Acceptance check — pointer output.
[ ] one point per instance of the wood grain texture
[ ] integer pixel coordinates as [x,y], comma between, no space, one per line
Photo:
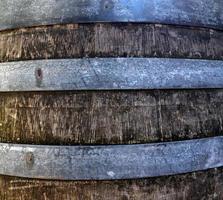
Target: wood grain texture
[110,117]
[110,40]
[205,185]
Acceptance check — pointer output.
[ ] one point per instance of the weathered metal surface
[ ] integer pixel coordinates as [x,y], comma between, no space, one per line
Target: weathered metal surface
[110,73]
[110,161]
[23,13]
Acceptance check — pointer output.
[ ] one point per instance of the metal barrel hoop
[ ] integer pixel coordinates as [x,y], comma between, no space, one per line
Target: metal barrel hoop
[110,74]
[109,162]
[26,13]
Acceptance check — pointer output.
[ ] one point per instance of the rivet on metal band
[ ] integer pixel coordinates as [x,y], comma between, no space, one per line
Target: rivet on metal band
[110,162]
[110,74]
[25,13]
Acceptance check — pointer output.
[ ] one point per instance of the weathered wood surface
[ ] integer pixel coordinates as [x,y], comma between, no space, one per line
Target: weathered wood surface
[195,186]
[110,40]
[110,117]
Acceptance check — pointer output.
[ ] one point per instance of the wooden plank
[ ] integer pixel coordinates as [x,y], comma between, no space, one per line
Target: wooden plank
[22,13]
[199,185]
[110,117]
[110,40]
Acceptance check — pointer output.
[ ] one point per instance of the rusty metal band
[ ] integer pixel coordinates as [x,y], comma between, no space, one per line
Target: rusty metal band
[26,13]
[110,161]
[110,74]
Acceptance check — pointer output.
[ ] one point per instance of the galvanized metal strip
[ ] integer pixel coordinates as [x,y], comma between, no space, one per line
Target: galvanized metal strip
[111,161]
[24,13]
[110,74]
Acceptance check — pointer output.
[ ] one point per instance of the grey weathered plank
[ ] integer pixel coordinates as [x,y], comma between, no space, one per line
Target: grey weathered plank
[110,161]
[24,13]
[110,74]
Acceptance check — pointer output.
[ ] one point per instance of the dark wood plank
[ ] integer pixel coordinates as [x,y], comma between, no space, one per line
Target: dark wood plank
[110,117]
[206,185]
[110,40]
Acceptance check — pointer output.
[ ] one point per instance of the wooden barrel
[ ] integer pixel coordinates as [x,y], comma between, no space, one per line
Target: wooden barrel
[112,117]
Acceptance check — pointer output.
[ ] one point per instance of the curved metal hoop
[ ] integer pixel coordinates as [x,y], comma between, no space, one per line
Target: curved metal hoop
[25,13]
[110,74]
[111,161]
